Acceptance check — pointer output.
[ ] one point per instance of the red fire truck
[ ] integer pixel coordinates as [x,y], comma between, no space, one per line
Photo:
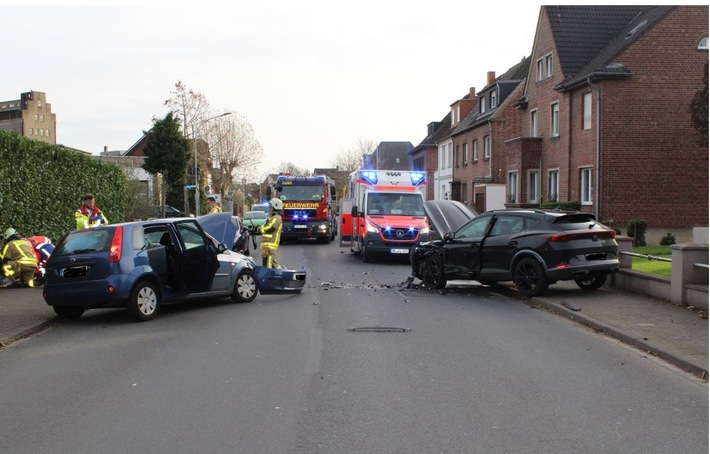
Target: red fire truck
[308,207]
[384,212]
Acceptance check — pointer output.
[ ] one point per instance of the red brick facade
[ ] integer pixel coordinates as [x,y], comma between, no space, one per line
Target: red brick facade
[651,163]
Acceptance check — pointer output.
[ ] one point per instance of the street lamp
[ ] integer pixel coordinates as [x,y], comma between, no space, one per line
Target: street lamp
[194,151]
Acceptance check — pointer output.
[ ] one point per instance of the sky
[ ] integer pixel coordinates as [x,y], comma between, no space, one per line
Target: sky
[312,77]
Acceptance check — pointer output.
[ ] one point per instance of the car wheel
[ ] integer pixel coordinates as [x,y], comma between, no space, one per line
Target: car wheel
[529,277]
[592,281]
[366,254]
[245,289]
[144,301]
[69,312]
[433,273]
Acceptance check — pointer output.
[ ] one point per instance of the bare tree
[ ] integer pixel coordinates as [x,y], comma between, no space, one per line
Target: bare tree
[190,108]
[352,159]
[233,150]
[293,169]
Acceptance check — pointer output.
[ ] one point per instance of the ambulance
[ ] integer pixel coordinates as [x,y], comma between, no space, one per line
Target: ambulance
[383,213]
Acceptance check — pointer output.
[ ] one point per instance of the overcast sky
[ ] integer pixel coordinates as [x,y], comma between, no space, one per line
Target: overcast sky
[312,77]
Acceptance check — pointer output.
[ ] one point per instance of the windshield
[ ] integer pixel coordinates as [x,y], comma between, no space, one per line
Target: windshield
[395,204]
[254,215]
[302,193]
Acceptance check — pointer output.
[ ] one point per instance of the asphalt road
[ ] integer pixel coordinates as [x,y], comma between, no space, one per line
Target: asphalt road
[354,364]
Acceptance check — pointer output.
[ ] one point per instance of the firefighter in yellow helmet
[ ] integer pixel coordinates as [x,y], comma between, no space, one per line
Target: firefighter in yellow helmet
[19,262]
[271,234]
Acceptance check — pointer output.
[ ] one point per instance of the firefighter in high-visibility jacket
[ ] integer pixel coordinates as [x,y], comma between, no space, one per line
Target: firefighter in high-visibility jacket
[88,214]
[19,262]
[271,234]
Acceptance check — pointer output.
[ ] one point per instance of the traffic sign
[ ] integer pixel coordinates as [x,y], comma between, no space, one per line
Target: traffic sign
[190,186]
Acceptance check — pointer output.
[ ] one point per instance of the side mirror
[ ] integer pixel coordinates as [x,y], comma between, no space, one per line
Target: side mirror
[449,236]
[353,212]
[221,248]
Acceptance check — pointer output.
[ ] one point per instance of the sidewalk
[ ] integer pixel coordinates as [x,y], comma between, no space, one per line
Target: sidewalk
[676,334]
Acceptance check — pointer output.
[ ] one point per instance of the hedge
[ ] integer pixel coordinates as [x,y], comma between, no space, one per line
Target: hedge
[41,186]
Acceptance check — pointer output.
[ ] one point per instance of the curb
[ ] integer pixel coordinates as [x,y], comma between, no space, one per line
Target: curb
[9,340]
[601,327]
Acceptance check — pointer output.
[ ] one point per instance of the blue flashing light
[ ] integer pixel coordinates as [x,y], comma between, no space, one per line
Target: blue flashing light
[417,178]
[369,176]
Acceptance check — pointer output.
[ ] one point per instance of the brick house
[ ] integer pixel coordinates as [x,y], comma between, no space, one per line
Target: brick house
[478,140]
[605,119]
[425,155]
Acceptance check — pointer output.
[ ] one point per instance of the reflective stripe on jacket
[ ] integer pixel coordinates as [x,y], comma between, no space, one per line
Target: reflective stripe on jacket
[271,231]
[84,219]
[20,251]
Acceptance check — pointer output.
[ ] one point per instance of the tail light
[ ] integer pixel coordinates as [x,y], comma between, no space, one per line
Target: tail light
[563,237]
[114,254]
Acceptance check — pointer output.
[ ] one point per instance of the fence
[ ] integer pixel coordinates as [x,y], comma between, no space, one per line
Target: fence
[688,284]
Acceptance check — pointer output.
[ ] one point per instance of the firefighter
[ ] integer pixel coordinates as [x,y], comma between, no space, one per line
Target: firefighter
[213,206]
[271,234]
[88,214]
[19,262]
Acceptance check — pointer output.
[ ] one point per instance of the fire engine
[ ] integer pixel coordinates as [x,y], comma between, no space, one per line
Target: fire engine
[308,207]
[384,212]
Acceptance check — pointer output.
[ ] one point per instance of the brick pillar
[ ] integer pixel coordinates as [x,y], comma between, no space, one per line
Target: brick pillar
[684,271]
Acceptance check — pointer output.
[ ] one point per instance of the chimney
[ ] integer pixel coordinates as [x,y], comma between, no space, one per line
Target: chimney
[472,93]
[105,148]
[491,77]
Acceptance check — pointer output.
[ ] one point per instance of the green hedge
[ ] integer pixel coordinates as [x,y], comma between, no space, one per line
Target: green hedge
[564,205]
[41,186]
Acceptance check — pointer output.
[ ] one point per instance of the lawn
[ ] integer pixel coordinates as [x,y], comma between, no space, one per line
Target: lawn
[659,267]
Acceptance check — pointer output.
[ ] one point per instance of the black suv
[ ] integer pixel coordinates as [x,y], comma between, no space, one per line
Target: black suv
[533,248]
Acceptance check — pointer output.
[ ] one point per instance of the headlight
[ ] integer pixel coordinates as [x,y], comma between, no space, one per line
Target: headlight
[424,231]
[323,227]
[371,228]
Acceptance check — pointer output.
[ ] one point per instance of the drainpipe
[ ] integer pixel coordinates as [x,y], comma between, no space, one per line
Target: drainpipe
[597,163]
[598,92]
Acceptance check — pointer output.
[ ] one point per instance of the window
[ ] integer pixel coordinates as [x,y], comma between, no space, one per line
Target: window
[465,153]
[512,187]
[533,184]
[533,123]
[493,99]
[475,151]
[587,111]
[540,70]
[548,65]
[555,120]
[585,183]
[553,185]
[473,229]
[456,114]
[544,68]
[483,104]
[456,156]
[487,147]
[36,117]
[703,44]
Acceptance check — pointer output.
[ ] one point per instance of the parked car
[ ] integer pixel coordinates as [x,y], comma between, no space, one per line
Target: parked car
[142,265]
[170,212]
[254,219]
[531,247]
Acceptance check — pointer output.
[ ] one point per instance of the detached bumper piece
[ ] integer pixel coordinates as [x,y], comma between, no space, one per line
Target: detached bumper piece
[278,281]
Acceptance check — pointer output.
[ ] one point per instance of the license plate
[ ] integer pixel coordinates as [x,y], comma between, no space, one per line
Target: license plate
[300,226]
[399,251]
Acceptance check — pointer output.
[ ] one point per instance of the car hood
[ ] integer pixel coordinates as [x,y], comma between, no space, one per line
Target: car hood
[447,215]
[220,227]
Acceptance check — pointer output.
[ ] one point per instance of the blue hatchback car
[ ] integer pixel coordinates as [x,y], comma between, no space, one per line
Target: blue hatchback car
[141,265]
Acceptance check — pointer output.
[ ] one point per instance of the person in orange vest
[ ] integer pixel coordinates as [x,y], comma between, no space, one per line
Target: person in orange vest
[88,214]
[19,262]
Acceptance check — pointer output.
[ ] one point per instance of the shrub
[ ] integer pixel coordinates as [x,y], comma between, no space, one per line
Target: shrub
[565,205]
[636,228]
[668,239]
